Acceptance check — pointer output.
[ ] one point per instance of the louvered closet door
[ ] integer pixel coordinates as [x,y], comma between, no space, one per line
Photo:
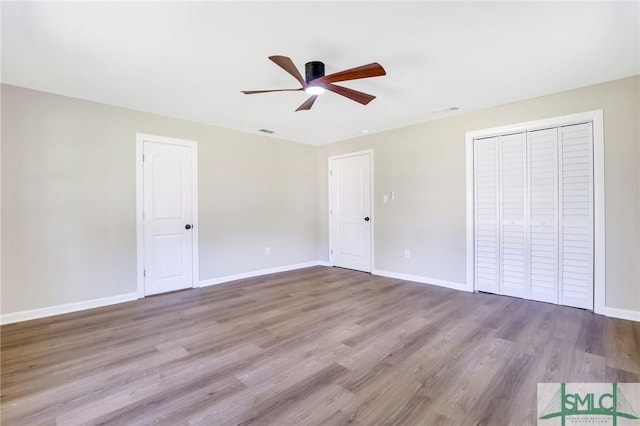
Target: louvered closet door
[576,215]
[534,215]
[512,215]
[487,261]
[543,214]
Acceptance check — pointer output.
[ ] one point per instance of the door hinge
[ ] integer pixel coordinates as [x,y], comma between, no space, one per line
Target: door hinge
[144,272]
[143,158]
[331,251]
[330,211]
[330,172]
[142,215]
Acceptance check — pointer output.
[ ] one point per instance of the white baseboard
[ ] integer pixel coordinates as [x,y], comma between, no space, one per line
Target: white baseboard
[66,308]
[622,314]
[105,301]
[421,279]
[112,300]
[608,311]
[260,272]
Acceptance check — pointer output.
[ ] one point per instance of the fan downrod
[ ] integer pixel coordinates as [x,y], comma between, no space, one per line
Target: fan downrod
[313,70]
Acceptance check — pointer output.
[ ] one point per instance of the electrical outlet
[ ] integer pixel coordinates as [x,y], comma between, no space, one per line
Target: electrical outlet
[407,253]
[267,251]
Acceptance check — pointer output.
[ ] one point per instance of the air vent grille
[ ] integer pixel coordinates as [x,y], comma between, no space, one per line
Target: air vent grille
[452,108]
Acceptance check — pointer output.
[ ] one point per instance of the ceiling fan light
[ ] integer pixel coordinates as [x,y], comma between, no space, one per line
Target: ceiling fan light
[314,90]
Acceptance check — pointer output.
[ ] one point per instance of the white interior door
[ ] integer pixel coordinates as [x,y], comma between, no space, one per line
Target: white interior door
[350,211]
[487,207]
[543,211]
[534,215]
[168,217]
[576,215]
[512,215]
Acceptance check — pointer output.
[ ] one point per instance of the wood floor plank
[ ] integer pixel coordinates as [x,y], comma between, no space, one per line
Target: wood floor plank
[317,409]
[317,346]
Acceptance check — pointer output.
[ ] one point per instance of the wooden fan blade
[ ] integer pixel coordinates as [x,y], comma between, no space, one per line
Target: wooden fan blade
[373,69]
[286,64]
[354,95]
[253,92]
[308,103]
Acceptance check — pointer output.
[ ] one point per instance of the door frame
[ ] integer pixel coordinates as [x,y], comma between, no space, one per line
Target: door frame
[140,139]
[596,118]
[368,152]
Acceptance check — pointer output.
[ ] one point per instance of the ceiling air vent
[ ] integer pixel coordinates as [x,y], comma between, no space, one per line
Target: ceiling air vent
[267,131]
[452,108]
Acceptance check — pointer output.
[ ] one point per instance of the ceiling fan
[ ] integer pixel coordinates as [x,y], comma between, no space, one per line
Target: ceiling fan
[316,82]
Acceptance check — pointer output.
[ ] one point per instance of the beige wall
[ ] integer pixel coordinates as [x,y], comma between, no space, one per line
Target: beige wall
[425,166]
[68,199]
[68,194]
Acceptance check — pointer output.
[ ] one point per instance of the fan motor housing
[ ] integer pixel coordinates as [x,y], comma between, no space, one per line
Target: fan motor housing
[313,70]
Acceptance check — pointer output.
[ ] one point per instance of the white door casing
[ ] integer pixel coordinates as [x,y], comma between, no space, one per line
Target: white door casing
[167,214]
[350,211]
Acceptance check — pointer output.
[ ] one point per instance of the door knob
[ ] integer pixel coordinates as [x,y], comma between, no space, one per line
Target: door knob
[366,219]
[187,226]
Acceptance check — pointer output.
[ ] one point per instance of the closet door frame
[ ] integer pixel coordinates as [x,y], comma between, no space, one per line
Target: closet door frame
[596,118]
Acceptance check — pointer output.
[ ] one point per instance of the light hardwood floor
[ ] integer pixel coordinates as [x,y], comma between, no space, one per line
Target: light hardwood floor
[319,346]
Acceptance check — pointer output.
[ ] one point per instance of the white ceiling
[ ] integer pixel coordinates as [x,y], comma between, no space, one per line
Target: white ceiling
[191,60]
